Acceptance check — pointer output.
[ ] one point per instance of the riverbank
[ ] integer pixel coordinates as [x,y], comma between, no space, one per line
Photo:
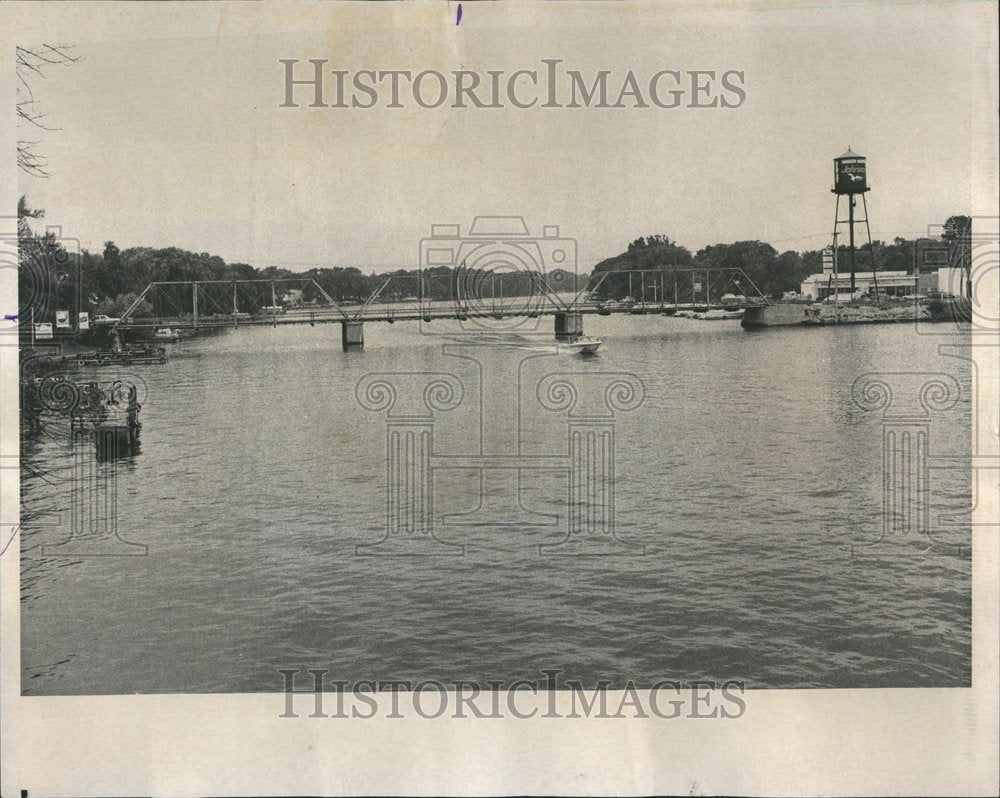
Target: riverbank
[792,314]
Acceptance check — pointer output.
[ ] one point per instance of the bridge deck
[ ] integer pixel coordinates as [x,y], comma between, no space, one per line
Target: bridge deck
[327,315]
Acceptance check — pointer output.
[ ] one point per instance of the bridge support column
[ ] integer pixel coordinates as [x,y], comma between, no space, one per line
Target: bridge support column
[569,325]
[352,334]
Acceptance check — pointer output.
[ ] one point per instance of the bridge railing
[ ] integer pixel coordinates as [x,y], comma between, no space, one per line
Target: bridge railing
[677,287]
[214,303]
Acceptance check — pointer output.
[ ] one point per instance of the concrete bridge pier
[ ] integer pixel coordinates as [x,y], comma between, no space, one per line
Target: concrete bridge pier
[569,325]
[352,334]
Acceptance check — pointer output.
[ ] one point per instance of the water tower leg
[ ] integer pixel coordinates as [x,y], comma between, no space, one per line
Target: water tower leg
[352,334]
[569,325]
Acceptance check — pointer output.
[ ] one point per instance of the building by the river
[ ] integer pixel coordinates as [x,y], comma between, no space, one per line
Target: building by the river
[949,281]
[820,286]
[954,281]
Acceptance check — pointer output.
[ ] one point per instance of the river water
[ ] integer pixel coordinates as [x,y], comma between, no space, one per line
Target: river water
[747,538]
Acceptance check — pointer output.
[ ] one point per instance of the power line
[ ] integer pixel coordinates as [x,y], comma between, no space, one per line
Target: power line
[922,233]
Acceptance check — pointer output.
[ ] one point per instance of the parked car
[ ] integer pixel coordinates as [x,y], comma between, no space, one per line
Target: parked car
[276,309]
[102,319]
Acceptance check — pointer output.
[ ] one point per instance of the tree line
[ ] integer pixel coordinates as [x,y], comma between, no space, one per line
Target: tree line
[52,276]
[763,268]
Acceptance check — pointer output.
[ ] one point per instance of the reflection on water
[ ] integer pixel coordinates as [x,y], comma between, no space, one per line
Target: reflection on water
[748,475]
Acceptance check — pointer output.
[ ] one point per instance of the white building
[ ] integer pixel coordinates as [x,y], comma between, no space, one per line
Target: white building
[953,281]
[820,286]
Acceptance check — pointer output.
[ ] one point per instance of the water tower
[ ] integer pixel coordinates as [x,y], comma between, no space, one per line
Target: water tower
[850,178]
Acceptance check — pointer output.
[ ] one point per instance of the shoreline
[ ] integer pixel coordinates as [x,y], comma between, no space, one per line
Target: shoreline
[797,314]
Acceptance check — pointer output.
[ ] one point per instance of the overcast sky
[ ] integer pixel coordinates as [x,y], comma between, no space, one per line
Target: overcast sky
[181,141]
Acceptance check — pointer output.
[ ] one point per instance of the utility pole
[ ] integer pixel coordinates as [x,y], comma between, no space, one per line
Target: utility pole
[79,291]
[836,279]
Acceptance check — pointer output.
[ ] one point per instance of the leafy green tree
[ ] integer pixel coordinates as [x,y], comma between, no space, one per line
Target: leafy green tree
[759,261]
[109,276]
[958,232]
[118,305]
[46,271]
[656,252]
[787,272]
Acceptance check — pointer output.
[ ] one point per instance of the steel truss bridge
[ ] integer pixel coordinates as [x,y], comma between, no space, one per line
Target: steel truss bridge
[206,304]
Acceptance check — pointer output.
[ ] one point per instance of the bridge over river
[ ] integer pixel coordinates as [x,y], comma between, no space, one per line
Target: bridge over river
[193,305]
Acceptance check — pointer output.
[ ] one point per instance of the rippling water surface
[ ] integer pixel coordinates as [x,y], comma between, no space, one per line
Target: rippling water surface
[748,474]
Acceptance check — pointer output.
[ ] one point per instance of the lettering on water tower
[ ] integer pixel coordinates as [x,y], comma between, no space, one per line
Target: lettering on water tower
[850,174]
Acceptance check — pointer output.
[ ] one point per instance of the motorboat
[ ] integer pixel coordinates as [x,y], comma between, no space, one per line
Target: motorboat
[166,334]
[584,345]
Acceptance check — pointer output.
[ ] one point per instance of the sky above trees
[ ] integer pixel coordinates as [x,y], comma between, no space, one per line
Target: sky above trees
[181,142]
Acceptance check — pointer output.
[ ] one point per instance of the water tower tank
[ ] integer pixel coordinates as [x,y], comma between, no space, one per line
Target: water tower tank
[850,175]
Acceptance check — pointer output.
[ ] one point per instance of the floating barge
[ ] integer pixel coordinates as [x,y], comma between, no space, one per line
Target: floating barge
[108,412]
[146,356]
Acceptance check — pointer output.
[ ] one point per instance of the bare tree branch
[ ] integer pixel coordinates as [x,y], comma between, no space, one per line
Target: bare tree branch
[31,63]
